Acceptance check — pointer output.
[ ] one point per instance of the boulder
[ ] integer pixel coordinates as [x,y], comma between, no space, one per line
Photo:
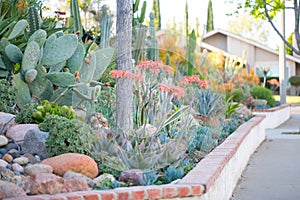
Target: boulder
[37,168]
[133,176]
[18,132]
[73,162]
[69,175]
[9,190]
[35,143]
[47,183]
[3,140]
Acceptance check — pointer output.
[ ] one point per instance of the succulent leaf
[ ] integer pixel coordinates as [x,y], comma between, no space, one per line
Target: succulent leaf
[103,58]
[75,62]
[59,50]
[31,56]
[18,29]
[61,79]
[23,95]
[39,37]
[30,75]
[14,53]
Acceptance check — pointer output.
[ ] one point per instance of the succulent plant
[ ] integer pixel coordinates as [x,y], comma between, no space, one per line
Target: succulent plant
[67,135]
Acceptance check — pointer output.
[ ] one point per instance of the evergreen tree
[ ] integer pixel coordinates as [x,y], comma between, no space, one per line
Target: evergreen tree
[156,11]
[210,17]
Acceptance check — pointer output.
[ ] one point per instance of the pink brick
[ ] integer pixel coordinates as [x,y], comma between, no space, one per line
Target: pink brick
[183,191]
[169,192]
[124,195]
[91,197]
[154,193]
[138,195]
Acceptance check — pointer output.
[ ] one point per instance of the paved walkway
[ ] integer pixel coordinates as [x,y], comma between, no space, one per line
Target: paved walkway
[273,172]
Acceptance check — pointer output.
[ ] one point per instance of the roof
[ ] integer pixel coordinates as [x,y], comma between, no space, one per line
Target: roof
[251,42]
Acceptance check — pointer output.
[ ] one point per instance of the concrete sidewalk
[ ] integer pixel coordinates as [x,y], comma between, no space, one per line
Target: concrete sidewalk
[273,172]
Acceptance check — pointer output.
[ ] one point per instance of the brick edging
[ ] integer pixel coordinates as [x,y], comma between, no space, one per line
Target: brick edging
[195,183]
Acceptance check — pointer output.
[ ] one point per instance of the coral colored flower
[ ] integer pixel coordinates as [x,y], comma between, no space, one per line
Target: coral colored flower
[163,87]
[189,80]
[178,92]
[154,67]
[117,73]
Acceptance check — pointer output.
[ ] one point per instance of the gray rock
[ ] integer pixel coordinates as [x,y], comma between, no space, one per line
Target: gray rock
[6,121]
[3,140]
[69,175]
[146,130]
[12,145]
[37,168]
[34,143]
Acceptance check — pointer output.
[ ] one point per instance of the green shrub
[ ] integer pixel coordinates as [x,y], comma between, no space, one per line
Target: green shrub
[237,95]
[7,96]
[295,80]
[67,135]
[260,92]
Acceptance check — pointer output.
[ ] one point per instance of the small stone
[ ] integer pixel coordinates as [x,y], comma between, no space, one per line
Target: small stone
[1,156]
[3,141]
[7,120]
[9,166]
[133,176]
[3,151]
[37,168]
[9,190]
[12,145]
[21,160]
[17,173]
[69,175]
[14,153]
[8,158]
[3,163]
[17,168]
[6,174]
[31,159]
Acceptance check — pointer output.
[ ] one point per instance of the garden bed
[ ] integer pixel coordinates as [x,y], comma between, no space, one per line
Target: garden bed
[214,177]
[275,116]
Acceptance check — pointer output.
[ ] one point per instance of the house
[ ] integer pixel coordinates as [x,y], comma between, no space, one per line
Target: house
[257,55]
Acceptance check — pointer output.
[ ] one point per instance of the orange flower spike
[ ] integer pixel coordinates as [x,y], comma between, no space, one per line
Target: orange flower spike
[76,74]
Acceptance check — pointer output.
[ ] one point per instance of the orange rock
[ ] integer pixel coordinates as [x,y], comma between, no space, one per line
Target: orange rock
[73,162]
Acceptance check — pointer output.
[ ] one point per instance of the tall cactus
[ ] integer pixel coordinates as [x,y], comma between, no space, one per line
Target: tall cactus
[152,51]
[156,11]
[191,47]
[105,28]
[75,17]
[34,19]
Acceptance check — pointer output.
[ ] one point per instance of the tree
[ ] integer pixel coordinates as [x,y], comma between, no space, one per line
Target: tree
[156,11]
[124,62]
[210,17]
[267,9]
[249,27]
